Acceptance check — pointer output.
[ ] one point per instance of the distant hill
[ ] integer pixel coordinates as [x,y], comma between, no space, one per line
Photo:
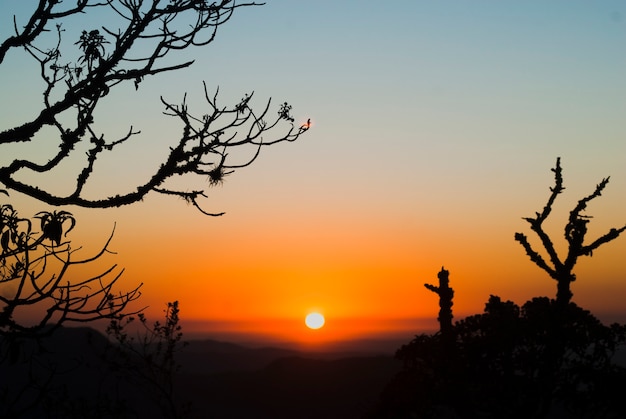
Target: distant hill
[219,379]
[211,356]
[225,380]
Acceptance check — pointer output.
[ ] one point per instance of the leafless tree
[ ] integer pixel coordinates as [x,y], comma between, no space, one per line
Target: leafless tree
[559,269]
[142,38]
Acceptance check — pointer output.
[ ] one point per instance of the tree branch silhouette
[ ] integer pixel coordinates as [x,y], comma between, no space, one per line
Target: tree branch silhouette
[142,41]
[37,274]
[575,231]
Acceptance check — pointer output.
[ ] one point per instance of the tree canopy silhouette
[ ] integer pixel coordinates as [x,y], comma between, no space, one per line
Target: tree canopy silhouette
[543,360]
[141,39]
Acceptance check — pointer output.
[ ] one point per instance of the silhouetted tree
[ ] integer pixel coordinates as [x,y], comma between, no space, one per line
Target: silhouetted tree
[446,294]
[141,39]
[561,270]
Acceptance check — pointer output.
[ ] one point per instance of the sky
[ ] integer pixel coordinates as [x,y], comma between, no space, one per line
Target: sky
[434,129]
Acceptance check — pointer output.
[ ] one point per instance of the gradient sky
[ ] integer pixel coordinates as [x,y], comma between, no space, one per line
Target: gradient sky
[435,126]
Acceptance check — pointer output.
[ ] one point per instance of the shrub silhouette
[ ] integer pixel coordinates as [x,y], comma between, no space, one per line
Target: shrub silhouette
[149,358]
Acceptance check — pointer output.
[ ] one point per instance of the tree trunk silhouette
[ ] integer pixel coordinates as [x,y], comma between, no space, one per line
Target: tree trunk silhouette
[563,292]
[446,294]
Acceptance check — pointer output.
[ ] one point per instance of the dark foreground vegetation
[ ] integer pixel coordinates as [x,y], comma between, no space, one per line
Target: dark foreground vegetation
[542,360]
[547,359]
[534,361]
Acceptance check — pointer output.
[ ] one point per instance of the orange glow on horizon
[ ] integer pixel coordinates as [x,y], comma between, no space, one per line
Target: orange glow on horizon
[292,331]
[365,287]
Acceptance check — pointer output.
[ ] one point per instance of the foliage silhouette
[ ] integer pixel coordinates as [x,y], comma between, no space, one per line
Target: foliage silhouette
[142,39]
[561,270]
[547,359]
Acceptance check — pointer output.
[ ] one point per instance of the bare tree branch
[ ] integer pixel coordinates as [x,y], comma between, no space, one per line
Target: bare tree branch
[128,50]
[36,273]
[534,256]
[536,224]
[575,232]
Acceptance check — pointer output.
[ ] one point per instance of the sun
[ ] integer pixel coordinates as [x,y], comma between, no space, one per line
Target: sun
[314,320]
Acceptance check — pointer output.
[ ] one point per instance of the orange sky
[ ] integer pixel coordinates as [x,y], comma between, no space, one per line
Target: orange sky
[254,276]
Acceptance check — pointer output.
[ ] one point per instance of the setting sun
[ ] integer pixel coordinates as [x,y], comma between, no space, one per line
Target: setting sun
[314,320]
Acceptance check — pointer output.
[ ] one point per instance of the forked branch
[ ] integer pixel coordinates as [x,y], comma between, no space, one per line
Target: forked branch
[575,231]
